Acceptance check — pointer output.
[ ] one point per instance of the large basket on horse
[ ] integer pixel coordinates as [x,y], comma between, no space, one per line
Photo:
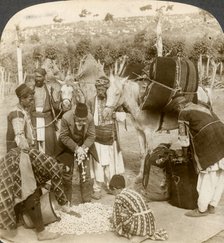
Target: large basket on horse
[169,75]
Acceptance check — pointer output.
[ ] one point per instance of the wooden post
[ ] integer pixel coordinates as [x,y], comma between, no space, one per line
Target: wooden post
[214,70]
[159,42]
[24,77]
[19,56]
[200,72]
[207,67]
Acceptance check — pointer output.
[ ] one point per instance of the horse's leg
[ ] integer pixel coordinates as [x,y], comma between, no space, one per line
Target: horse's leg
[143,151]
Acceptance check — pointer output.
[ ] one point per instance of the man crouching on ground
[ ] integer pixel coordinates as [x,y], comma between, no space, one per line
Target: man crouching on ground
[76,140]
[132,217]
[23,171]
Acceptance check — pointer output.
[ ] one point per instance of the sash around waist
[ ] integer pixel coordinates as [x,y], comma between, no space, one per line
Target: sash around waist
[105,134]
[41,114]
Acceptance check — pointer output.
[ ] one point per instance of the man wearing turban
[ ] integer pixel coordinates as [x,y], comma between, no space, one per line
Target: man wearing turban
[107,145]
[43,113]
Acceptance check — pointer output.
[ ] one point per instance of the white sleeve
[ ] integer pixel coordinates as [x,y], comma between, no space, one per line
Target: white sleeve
[19,127]
[183,134]
[120,116]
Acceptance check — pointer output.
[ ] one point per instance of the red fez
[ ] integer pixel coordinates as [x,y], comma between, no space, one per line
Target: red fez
[23,91]
[81,110]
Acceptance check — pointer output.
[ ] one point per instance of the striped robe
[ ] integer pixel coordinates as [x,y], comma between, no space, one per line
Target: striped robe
[132,217]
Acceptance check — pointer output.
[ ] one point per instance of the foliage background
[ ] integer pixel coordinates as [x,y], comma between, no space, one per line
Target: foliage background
[186,35]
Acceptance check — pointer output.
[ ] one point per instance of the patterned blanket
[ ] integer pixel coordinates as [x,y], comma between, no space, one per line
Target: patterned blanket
[44,167]
[133,217]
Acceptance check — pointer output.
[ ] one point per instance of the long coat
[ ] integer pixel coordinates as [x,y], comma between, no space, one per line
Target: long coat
[50,109]
[207,134]
[67,138]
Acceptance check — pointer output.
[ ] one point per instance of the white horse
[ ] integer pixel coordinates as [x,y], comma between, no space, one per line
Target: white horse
[126,92]
[70,93]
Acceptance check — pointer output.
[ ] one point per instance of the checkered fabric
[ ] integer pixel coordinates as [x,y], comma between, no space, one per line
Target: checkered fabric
[133,217]
[10,186]
[45,168]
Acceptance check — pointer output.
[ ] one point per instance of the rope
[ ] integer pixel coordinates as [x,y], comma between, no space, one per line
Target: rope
[167,87]
[55,119]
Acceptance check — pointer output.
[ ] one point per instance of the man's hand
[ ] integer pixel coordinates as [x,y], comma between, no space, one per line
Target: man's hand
[81,154]
[80,151]
[22,143]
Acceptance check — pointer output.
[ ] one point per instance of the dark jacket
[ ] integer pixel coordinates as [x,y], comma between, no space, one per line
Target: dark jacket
[67,138]
[207,134]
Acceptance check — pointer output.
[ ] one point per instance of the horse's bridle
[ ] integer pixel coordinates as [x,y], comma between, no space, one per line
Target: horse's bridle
[70,100]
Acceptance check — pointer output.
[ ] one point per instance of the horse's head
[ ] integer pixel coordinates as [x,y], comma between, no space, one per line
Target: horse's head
[66,96]
[70,94]
[115,95]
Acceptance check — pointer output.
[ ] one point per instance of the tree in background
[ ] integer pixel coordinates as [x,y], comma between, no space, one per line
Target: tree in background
[109,17]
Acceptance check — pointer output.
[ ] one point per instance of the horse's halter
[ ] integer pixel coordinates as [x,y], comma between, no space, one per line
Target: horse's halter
[66,101]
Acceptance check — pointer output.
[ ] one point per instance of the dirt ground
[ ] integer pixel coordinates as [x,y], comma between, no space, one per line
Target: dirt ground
[130,149]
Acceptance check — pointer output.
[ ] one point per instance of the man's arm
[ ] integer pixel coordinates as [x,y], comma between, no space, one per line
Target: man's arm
[65,136]
[18,124]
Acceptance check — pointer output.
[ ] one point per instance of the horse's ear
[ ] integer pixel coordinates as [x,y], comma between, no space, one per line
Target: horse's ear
[111,76]
[124,80]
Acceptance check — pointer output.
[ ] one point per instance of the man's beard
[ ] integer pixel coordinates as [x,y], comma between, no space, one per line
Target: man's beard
[101,96]
[39,84]
[79,127]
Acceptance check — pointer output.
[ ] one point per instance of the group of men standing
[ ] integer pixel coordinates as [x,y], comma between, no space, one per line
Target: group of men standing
[86,143]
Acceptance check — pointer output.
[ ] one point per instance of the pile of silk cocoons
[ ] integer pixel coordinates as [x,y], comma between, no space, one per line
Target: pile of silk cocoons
[94,219]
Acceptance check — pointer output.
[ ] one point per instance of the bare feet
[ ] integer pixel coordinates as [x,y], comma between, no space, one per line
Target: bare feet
[46,235]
